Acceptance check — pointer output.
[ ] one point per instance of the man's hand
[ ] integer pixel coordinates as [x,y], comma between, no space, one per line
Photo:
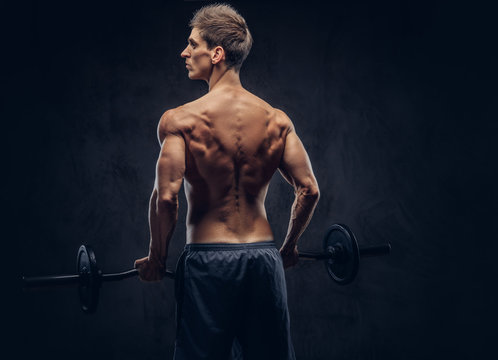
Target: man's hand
[149,270]
[290,256]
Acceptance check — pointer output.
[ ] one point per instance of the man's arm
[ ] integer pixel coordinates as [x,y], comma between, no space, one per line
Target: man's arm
[163,207]
[295,167]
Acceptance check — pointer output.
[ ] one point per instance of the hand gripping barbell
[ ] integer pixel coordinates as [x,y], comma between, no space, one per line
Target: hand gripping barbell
[341,256]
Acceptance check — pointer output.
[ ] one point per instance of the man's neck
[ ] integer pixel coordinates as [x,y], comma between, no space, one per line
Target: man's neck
[221,76]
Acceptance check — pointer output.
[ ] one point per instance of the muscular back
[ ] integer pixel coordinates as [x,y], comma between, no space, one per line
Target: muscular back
[234,142]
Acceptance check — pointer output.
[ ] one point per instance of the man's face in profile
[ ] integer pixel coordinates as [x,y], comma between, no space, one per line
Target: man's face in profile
[197,57]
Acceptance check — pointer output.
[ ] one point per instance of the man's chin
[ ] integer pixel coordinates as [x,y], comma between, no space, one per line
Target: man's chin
[193,76]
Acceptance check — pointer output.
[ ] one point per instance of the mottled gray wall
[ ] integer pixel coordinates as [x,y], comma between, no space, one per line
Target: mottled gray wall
[393,103]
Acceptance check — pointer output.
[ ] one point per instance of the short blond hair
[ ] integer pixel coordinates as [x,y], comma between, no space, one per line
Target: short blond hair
[221,25]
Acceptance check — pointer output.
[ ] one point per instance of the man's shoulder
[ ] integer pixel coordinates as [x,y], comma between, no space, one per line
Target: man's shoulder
[281,115]
[283,120]
[176,115]
[172,115]
[173,120]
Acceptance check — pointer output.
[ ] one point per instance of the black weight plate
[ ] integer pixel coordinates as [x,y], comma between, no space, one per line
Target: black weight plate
[343,267]
[89,279]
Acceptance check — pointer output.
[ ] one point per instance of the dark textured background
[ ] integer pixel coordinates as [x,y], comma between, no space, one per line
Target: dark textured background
[396,104]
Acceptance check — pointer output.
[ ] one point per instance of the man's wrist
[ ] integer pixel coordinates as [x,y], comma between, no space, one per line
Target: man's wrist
[157,260]
[289,246]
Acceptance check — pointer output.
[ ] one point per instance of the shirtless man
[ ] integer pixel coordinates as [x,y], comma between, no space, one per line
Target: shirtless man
[230,281]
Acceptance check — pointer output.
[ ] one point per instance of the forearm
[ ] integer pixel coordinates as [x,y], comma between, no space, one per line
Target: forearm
[162,221]
[301,214]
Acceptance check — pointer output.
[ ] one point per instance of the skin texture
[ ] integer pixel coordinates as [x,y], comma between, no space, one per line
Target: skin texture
[226,145]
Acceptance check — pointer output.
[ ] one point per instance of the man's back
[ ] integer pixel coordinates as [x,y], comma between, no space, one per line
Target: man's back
[234,142]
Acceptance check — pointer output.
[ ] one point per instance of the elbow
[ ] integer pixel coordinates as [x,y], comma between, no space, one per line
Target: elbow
[314,193]
[166,204]
[311,192]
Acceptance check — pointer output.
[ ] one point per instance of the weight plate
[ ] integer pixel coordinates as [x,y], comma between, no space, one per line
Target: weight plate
[89,279]
[344,266]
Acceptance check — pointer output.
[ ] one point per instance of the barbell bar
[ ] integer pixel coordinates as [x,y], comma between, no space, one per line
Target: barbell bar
[341,255]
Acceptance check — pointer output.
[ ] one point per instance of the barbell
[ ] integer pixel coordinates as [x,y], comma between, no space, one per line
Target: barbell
[341,255]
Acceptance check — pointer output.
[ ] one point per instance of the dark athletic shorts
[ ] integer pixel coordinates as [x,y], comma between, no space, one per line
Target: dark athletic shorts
[232,303]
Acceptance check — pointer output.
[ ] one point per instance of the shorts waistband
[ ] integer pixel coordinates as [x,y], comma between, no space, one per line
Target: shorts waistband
[231,246]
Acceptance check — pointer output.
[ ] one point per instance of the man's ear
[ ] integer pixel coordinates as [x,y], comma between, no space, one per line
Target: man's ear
[217,55]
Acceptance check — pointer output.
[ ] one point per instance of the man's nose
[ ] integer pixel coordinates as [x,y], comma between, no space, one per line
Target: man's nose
[184,53]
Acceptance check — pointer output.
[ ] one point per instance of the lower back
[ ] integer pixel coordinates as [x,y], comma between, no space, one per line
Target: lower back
[234,230]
